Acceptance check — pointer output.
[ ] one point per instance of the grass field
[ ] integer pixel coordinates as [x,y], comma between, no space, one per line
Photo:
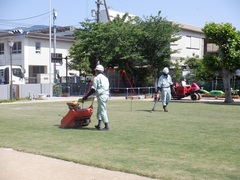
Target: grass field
[191,141]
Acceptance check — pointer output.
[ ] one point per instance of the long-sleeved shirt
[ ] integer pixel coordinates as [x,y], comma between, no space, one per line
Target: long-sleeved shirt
[101,84]
[164,81]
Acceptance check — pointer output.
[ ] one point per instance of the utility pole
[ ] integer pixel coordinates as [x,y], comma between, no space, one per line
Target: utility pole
[11,43]
[98,9]
[98,19]
[50,48]
[54,39]
[67,87]
[106,8]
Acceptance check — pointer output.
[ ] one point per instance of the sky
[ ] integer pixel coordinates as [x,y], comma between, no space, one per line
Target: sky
[26,13]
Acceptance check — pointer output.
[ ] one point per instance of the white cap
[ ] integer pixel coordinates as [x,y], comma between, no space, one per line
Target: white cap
[99,68]
[165,70]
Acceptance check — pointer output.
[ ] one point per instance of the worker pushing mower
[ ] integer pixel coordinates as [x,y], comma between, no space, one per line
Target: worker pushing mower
[100,86]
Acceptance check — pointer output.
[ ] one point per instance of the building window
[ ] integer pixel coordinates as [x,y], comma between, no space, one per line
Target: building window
[1,48]
[193,42]
[38,70]
[38,47]
[17,48]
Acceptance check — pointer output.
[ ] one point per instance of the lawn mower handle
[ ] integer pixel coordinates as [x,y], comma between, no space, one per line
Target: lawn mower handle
[88,99]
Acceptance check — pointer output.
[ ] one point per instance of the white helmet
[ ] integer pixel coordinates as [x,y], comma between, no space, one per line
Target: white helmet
[99,68]
[165,70]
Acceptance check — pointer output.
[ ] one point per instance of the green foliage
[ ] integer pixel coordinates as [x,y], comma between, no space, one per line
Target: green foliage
[177,75]
[212,63]
[193,62]
[157,35]
[228,40]
[126,43]
[57,89]
[198,70]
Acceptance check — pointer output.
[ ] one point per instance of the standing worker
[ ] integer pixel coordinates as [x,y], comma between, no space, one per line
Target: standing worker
[100,86]
[164,85]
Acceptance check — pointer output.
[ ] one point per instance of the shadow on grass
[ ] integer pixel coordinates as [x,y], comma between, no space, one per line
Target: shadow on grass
[150,111]
[78,128]
[206,102]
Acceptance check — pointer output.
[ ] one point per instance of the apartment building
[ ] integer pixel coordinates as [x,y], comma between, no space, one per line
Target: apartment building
[31,51]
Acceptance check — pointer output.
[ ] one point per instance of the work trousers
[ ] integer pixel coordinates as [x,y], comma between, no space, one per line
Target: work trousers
[166,96]
[102,108]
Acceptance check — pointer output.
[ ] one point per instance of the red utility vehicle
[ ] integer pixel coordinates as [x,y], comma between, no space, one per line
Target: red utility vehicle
[179,92]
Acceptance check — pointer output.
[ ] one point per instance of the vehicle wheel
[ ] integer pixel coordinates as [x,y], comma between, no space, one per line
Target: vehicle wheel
[199,96]
[194,96]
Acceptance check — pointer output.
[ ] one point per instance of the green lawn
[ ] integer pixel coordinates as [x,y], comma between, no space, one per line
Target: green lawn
[191,141]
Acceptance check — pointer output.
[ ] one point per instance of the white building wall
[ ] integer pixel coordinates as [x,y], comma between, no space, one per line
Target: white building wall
[191,44]
[34,58]
[112,14]
[5,58]
[64,48]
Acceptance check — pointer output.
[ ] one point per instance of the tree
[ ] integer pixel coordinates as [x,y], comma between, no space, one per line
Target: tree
[112,44]
[227,61]
[198,72]
[85,52]
[177,75]
[157,36]
[128,43]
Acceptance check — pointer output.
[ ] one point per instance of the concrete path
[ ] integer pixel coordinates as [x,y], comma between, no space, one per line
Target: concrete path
[15,165]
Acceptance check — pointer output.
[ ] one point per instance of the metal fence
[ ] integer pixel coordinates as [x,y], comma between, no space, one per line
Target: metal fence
[81,88]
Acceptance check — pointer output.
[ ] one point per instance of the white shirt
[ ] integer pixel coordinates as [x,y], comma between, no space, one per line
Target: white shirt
[183,83]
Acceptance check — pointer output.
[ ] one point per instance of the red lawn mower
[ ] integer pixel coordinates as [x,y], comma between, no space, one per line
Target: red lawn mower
[77,116]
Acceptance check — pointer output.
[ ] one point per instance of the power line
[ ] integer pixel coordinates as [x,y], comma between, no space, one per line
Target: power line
[24,18]
[14,23]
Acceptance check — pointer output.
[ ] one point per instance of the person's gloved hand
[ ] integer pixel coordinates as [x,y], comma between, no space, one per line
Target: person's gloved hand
[173,89]
[84,98]
[159,89]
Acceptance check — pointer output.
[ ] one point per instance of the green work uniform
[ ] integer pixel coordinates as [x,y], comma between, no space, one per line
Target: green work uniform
[164,83]
[101,87]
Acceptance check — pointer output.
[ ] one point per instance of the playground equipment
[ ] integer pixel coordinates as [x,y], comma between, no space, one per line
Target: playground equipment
[215,93]
[219,93]
[179,92]
[77,116]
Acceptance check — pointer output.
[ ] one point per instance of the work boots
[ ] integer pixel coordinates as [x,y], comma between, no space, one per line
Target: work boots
[165,108]
[106,128]
[99,125]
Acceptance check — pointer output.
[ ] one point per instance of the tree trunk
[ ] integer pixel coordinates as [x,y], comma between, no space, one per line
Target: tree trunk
[226,81]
